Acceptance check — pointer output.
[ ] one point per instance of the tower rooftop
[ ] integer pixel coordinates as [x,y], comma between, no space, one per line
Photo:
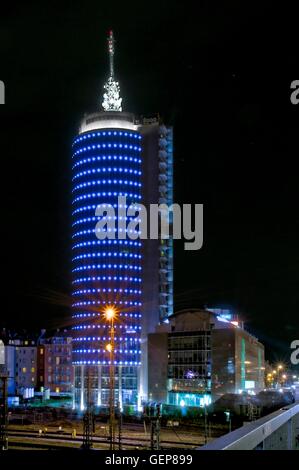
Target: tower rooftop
[104,120]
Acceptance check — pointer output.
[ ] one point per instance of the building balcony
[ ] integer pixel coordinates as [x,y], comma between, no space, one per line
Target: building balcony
[163,155]
[163,189]
[162,200]
[162,166]
[162,143]
[162,177]
[163,247]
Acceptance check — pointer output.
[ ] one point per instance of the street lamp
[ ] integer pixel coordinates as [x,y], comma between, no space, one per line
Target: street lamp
[270,378]
[280,376]
[110,315]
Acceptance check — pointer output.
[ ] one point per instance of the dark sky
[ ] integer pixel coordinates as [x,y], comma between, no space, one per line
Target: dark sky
[221,76]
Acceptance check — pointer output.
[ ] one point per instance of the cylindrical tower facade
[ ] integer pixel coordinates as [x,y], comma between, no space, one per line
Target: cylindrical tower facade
[106,164]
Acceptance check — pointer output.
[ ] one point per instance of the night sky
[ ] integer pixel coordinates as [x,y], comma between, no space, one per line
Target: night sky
[221,76]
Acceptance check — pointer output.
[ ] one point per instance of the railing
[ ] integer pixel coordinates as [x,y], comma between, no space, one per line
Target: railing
[252,435]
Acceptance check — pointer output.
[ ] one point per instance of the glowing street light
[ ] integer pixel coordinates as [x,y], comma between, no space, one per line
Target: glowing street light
[110,315]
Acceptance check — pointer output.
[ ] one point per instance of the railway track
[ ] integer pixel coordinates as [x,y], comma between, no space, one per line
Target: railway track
[142,443]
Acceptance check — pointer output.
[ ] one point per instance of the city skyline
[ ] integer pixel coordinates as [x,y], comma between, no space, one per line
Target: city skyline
[249,259]
[150,256]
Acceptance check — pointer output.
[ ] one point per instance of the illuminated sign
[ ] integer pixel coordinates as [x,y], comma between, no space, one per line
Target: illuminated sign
[249,384]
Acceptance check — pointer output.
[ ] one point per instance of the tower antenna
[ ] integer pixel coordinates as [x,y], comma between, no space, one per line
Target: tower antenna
[111,98]
[111,42]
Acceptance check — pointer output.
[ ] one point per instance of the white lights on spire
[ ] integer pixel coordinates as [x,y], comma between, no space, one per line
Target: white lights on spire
[111,98]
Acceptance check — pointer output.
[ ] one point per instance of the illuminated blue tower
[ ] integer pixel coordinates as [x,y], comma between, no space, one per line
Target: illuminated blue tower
[116,155]
[106,164]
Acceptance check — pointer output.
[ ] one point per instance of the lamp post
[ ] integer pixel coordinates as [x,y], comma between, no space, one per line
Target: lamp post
[110,314]
[280,372]
[274,378]
[206,422]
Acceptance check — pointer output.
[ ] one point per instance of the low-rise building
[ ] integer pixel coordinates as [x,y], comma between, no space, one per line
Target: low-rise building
[40,367]
[25,365]
[200,355]
[38,362]
[10,363]
[20,353]
[58,370]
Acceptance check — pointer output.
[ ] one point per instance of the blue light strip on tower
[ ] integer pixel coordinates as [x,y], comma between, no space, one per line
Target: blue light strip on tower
[106,165]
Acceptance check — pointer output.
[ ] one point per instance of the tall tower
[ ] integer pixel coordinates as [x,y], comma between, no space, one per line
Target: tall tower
[157,263]
[115,154]
[106,165]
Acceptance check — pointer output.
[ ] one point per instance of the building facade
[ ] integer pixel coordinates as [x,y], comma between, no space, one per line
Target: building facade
[20,355]
[106,272]
[200,356]
[157,261]
[116,155]
[40,367]
[57,373]
[10,363]
[238,362]
[25,367]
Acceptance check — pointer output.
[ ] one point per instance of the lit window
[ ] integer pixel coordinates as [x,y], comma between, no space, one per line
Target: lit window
[57,361]
[41,352]
[32,369]
[57,389]
[24,370]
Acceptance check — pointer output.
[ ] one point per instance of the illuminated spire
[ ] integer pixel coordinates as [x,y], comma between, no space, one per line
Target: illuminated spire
[111,98]
[111,42]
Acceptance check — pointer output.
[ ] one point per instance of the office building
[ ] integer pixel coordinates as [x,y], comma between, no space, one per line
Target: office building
[116,154]
[200,355]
